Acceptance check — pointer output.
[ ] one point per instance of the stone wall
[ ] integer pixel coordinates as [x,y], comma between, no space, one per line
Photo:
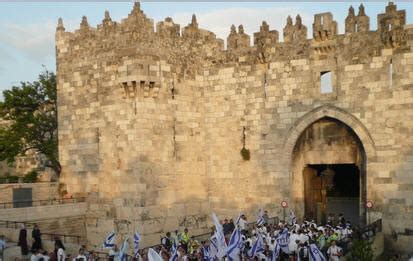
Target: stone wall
[40,191]
[151,123]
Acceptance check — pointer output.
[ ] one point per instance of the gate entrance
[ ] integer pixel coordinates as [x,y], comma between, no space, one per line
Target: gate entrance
[331,190]
[329,172]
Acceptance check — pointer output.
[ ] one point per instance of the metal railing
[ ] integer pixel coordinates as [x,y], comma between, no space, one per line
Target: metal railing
[75,239]
[43,202]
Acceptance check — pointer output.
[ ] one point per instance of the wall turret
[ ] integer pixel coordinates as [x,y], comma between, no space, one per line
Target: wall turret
[288,31]
[265,37]
[238,41]
[390,26]
[60,27]
[324,27]
[363,21]
[357,24]
[168,28]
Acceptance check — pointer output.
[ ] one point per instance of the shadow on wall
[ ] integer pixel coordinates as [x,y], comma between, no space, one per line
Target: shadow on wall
[397,204]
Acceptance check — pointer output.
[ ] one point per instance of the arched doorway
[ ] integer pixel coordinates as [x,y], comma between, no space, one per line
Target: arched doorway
[329,171]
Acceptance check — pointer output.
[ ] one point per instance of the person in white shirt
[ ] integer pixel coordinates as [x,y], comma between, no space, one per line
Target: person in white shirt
[61,255]
[113,252]
[292,245]
[242,223]
[81,256]
[334,252]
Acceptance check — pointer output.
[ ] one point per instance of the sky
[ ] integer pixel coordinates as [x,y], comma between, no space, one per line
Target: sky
[27,29]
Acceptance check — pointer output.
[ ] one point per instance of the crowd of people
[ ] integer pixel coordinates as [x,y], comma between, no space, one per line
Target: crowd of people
[332,240]
[263,240]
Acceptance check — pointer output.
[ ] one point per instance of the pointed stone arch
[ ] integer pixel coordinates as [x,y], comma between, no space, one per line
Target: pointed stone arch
[299,127]
[330,111]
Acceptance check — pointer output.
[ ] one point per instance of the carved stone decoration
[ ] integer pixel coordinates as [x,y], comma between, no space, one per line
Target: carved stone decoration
[390,26]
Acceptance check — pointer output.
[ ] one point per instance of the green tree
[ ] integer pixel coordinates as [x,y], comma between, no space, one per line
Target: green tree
[30,113]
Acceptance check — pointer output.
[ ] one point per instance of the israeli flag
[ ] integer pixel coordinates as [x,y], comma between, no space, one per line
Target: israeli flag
[153,256]
[213,247]
[205,254]
[315,254]
[237,221]
[123,253]
[276,252]
[109,241]
[136,240]
[234,244]
[257,248]
[260,219]
[219,235]
[174,253]
[283,240]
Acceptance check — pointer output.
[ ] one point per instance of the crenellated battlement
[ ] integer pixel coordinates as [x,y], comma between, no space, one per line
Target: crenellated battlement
[173,44]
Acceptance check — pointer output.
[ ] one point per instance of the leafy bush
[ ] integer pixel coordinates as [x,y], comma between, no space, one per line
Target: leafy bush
[30,177]
[245,153]
[361,250]
[8,179]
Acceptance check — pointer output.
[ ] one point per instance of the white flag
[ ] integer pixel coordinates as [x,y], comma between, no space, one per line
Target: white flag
[123,253]
[153,256]
[219,235]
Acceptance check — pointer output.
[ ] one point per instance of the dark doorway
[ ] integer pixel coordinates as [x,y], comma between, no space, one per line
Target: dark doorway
[331,189]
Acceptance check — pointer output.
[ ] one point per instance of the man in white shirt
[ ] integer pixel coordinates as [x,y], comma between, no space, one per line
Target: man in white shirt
[334,252]
[81,256]
[242,223]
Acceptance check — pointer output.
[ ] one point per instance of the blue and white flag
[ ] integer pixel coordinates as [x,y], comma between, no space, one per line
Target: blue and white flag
[174,252]
[136,240]
[260,218]
[315,254]
[257,248]
[238,219]
[283,240]
[109,241]
[213,247]
[276,252]
[123,252]
[153,256]
[219,235]
[233,248]
[205,253]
